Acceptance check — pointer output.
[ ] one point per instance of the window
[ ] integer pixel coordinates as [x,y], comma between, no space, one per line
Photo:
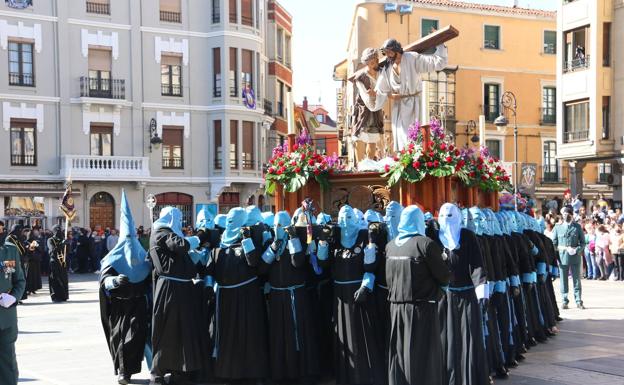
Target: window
[491,38]
[21,64]
[287,51]
[216,11]
[227,201]
[576,46]
[181,201]
[247,13]
[170,11]
[247,68]
[248,145]
[23,143]
[171,76]
[280,99]
[172,146]
[550,42]
[494,147]
[101,140]
[426,25]
[576,127]
[218,146]
[101,7]
[606,45]
[491,95]
[320,118]
[606,121]
[604,170]
[321,145]
[233,72]
[280,45]
[233,12]
[216,65]
[100,73]
[551,166]
[233,144]
[549,101]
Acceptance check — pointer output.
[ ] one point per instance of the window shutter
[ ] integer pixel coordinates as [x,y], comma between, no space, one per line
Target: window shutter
[99,60]
[170,5]
[172,60]
[172,136]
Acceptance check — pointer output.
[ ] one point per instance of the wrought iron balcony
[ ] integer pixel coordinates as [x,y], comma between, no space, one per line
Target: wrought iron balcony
[170,16]
[93,167]
[19,79]
[175,162]
[102,88]
[575,136]
[576,64]
[23,160]
[553,174]
[99,8]
[167,89]
[268,107]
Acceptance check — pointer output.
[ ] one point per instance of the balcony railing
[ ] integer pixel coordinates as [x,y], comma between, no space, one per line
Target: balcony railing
[99,8]
[548,115]
[218,164]
[171,89]
[23,160]
[247,20]
[553,174]
[93,167]
[575,136]
[170,16]
[576,64]
[442,110]
[18,79]
[249,164]
[102,88]
[268,107]
[175,162]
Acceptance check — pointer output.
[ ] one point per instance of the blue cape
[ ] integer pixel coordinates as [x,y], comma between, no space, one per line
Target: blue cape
[450,220]
[500,217]
[236,218]
[372,216]
[412,222]
[254,216]
[128,257]
[349,226]
[360,216]
[392,217]
[204,220]
[493,222]
[170,218]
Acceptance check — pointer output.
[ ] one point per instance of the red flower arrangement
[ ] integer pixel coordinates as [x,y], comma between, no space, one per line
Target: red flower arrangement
[487,173]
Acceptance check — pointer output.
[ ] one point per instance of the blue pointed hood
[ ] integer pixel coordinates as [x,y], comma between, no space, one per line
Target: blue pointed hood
[502,223]
[450,220]
[349,226]
[467,221]
[220,220]
[372,216]
[128,257]
[236,218]
[360,216]
[520,225]
[254,216]
[204,220]
[479,220]
[323,219]
[392,218]
[412,223]
[170,218]
[268,218]
[493,222]
[282,220]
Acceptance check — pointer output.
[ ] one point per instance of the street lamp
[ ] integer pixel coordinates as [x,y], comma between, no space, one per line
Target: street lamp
[155,140]
[471,127]
[508,102]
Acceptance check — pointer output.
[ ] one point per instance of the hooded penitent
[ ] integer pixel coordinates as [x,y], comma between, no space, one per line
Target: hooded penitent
[128,257]
[372,216]
[170,218]
[236,219]
[503,223]
[349,226]
[392,217]
[268,218]
[412,223]
[323,219]
[467,221]
[360,217]
[205,219]
[450,220]
[479,220]
[254,216]
[493,222]
[282,220]
[220,220]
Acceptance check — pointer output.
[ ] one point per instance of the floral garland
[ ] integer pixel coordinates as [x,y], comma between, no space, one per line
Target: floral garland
[294,168]
[442,158]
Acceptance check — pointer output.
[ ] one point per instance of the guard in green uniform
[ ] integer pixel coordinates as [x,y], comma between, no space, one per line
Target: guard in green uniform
[569,240]
[12,286]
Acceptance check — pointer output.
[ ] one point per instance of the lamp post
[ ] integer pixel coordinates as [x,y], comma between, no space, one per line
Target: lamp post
[508,102]
[471,127]
[155,140]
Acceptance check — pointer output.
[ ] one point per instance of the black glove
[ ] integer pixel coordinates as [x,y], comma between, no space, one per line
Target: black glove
[203,235]
[246,232]
[122,280]
[290,230]
[275,246]
[361,295]
[325,233]
[374,232]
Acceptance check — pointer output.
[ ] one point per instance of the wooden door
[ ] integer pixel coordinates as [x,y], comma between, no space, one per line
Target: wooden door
[102,211]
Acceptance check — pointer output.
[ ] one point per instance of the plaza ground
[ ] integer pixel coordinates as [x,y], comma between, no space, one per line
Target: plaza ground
[63,344]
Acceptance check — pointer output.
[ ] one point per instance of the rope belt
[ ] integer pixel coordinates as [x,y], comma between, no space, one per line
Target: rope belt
[175,279]
[347,282]
[458,289]
[293,308]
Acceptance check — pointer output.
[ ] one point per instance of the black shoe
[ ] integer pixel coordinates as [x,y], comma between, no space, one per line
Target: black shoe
[565,306]
[559,319]
[520,357]
[157,380]
[502,373]
[513,364]
[522,350]
[532,342]
[123,379]
[580,306]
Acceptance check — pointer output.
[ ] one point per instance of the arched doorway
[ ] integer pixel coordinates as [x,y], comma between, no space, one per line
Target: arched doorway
[102,211]
[184,202]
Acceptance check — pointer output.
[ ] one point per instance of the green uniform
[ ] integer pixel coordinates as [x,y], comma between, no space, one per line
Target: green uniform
[15,285]
[567,235]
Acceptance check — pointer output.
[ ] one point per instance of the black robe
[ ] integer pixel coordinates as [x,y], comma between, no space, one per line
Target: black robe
[294,345]
[461,327]
[241,349]
[500,299]
[125,313]
[357,351]
[57,280]
[546,305]
[415,273]
[33,279]
[176,331]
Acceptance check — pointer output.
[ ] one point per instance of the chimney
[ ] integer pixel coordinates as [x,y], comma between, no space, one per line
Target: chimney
[305,103]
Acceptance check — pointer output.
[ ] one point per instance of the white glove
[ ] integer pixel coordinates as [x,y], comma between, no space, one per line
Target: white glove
[571,250]
[6,300]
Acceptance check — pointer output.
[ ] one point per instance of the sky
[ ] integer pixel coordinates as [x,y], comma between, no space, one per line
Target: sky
[320,29]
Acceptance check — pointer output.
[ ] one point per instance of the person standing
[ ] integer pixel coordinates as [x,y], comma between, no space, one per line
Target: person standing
[415,273]
[569,241]
[400,81]
[112,239]
[12,286]
[57,281]
[14,241]
[124,305]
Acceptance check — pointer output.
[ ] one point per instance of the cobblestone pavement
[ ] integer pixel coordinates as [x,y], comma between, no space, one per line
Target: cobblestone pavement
[63,344]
